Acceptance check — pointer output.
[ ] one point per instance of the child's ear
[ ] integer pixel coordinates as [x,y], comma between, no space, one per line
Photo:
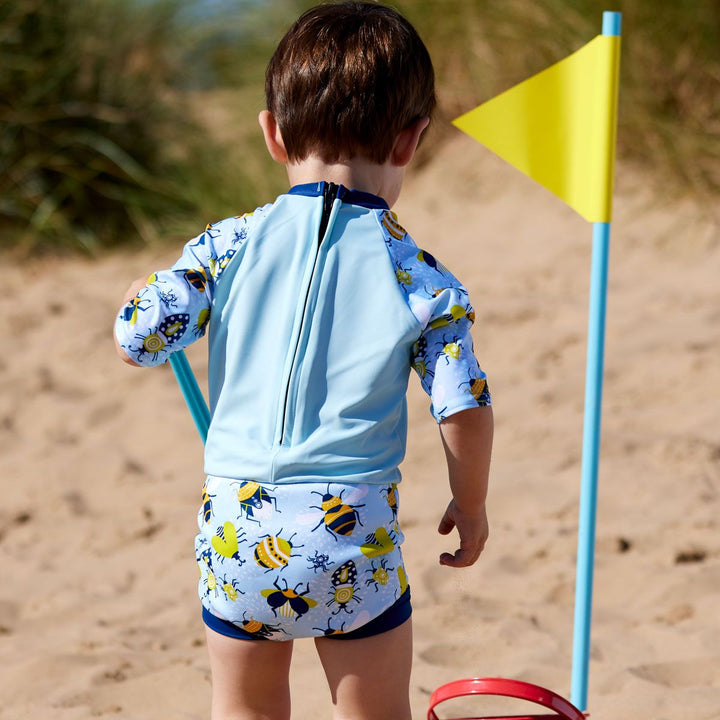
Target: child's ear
[407,141]
[273,137]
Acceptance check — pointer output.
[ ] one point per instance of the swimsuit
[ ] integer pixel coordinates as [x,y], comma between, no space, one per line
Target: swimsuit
[297,560]
[320,305]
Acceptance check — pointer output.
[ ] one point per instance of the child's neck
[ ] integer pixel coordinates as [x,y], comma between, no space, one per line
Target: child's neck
[356,174]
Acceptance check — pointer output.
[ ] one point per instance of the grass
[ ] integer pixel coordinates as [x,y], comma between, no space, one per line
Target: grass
[124,120]
[669,114]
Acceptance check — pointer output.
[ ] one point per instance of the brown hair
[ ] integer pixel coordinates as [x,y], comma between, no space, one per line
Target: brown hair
[346,79]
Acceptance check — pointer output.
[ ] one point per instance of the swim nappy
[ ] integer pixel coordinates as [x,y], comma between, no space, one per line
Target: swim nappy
[281,562]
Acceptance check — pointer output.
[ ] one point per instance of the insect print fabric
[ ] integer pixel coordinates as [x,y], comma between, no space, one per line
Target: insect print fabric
[443,356]
[173,309]
[312,559]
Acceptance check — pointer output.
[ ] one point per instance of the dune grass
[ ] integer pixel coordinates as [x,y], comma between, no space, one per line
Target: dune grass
[123,120]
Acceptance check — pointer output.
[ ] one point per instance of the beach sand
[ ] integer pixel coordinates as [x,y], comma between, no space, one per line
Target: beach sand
[102,472]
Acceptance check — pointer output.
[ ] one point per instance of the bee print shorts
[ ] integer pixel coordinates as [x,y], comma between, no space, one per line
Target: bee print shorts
[288,561]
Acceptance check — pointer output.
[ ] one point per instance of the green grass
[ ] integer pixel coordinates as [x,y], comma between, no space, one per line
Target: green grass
[669,113]
[122,120]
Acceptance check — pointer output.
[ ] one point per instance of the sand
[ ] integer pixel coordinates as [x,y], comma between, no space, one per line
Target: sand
[102,472]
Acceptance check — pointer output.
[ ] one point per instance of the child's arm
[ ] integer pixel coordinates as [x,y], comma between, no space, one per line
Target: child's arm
[135,287]
[467,438]
[170,309]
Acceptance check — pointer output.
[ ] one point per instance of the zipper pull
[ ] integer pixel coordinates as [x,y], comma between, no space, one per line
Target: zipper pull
[330,193]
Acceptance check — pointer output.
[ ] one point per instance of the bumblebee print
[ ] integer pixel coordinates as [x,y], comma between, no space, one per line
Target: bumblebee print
[303,558]
[280,585]
[456,312]
[477,387]
[206,504]
[339,518]
[392,499]
[289,602]
[196,278]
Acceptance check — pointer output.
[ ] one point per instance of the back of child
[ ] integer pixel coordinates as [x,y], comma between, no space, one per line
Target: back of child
[316,307]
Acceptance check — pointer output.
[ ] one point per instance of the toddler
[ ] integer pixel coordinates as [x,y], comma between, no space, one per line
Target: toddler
[316,308]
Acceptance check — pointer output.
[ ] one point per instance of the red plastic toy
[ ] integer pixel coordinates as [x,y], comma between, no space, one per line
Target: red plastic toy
[562,709]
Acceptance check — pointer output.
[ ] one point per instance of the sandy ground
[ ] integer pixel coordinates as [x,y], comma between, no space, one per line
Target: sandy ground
[102,472]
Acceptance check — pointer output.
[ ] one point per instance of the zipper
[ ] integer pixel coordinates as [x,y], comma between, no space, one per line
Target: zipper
[330,193]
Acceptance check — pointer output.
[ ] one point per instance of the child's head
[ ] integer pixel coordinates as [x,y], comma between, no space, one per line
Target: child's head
[346,80]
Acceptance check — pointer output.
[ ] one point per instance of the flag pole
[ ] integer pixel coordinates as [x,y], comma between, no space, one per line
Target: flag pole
[191,392]
[591,442]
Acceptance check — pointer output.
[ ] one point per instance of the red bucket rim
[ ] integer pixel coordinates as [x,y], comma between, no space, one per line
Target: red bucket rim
[508,688]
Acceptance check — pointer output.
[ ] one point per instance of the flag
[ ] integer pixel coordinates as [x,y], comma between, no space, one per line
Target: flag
[558,127]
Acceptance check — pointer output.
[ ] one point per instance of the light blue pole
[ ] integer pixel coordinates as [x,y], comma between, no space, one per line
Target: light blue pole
[591,444]
[191,392]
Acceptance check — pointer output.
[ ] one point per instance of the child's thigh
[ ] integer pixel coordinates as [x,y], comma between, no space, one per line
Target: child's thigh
[250,678]
[369,678]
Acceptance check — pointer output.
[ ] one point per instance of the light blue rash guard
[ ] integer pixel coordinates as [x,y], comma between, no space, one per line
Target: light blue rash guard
[318,305]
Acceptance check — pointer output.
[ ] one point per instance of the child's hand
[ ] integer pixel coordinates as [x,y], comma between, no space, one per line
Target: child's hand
[473,530]
[135,287]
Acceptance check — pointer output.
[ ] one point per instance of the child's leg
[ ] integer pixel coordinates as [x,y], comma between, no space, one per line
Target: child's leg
[249,678]
[369,678]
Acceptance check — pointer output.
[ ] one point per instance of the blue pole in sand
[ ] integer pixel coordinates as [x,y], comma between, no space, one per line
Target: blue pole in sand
[591,443]
[191,392]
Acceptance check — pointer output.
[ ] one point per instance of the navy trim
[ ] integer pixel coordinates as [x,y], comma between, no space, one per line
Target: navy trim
[393,617]
[353,197]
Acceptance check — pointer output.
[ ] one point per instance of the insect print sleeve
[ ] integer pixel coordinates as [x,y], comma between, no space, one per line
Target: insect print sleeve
[443,355]
[173,308]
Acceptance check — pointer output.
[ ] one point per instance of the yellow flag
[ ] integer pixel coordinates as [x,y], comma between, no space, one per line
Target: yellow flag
[559,127]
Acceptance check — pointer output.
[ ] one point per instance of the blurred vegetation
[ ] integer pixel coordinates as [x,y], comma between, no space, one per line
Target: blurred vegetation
[100,143]
[123,120]
[669,112]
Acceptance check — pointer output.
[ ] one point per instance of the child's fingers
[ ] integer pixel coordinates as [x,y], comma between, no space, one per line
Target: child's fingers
[446,523]
[135,287]
[463,557]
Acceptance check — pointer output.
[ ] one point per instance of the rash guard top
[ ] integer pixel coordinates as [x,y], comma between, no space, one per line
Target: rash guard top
[317,307]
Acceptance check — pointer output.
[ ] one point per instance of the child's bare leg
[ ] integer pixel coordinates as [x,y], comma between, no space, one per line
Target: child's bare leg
[249,678]
[369,678]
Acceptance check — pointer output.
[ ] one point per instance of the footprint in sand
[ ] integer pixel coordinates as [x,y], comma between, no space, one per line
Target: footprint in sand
[702,672]
[450,655]
[9,614]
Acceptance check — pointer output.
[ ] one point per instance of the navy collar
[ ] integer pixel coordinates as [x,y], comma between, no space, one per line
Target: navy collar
[354,197]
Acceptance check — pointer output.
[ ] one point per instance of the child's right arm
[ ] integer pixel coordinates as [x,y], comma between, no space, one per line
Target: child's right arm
[467,438]
[171,309]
